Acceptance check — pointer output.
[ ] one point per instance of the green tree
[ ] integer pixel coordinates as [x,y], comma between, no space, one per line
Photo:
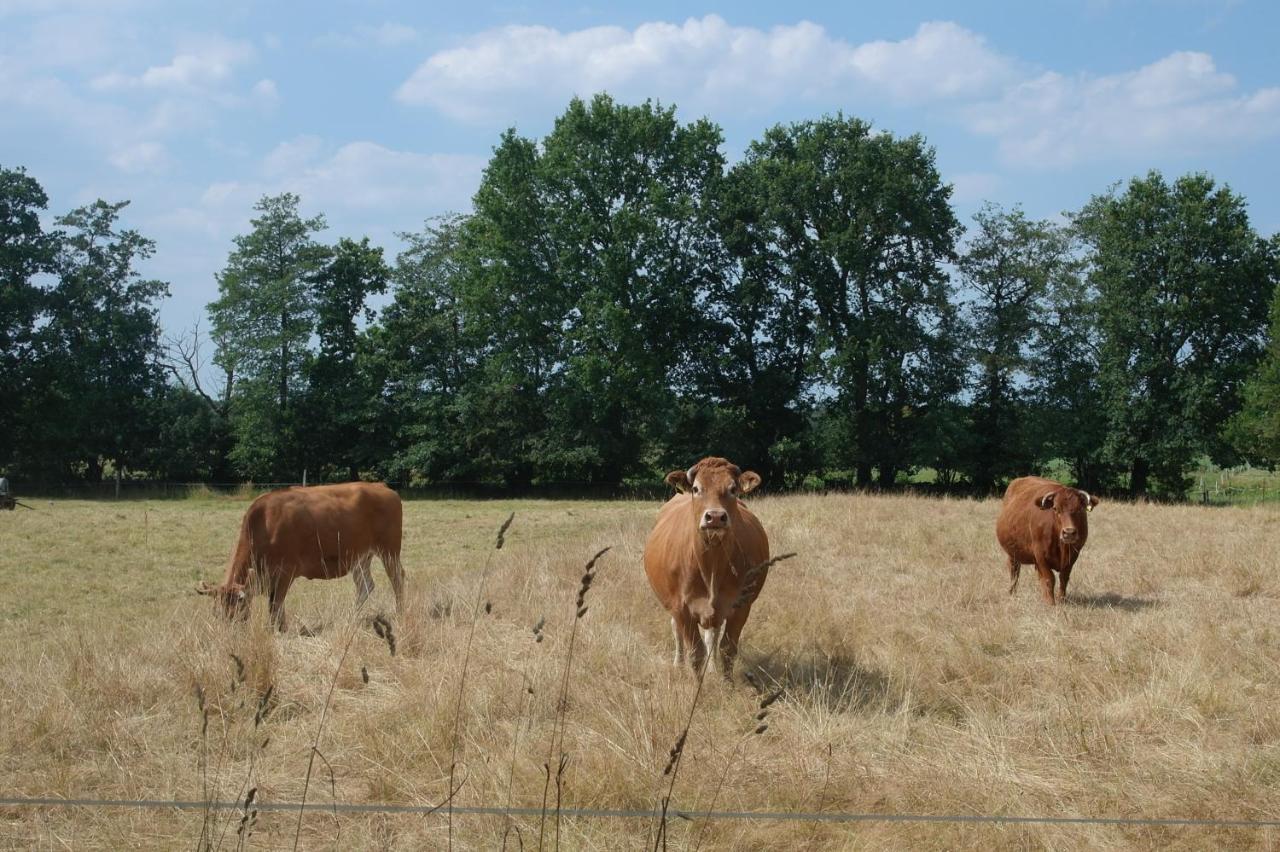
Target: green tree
[26,252]
[1183,284]
[584,259]
[514,307]
[428,356]
[263,320]
[864,222]
[100,347]
[1066,415]
[627,192]
[744,391]
[343,416]
[191,440]
[1255,430]
[1008,267]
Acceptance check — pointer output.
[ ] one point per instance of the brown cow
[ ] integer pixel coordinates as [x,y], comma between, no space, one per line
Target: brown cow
[703,543]
[1043,523]
[318,532]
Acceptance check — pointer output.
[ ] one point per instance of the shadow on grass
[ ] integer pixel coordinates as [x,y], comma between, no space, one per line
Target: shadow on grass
[838,683]
[1111,600]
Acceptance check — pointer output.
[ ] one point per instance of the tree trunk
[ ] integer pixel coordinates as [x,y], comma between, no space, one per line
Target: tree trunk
[888,475]
[1138,477]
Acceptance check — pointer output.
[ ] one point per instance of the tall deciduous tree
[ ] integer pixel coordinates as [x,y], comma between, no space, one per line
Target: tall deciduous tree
[585,258]
[1255,430]
[745,389]
[101,348]
[263,320]
[864,222]
[627,191]
[1183,285]
[26,251]
[1008,266]
[342,425]
[428,356]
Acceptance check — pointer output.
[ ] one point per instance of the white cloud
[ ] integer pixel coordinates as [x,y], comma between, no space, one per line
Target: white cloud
[140,157]
[1179,104]
[942,59]
[200,65]
[46,7]
[265,92]
[357,176]
[383,35]
[972,187]
[703,59]
[292,157]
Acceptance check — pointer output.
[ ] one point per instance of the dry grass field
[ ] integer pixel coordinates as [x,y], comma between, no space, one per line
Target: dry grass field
[912,683]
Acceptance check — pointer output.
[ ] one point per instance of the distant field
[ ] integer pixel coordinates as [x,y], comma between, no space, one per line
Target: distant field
[912,682]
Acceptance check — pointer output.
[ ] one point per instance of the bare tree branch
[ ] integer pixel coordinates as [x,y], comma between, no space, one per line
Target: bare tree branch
[184,358]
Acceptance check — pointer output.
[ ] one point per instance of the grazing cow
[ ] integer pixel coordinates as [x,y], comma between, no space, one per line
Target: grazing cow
[1046,524]
[704,542]
[318,532]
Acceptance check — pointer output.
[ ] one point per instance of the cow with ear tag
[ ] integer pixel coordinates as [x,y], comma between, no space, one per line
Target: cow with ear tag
[697,558]
[1045,524]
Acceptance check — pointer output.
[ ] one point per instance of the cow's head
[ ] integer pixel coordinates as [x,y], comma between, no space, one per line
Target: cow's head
[1070,507]
[715,486]
[231,598]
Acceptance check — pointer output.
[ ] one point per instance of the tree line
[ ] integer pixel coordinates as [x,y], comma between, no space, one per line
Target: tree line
[622,300]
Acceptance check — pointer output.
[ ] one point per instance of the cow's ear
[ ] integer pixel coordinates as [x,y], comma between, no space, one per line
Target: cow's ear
[679,480]
[748,482]
[1089,501]
[1046,502]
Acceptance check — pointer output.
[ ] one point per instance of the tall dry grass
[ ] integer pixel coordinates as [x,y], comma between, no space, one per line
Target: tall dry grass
[911,682]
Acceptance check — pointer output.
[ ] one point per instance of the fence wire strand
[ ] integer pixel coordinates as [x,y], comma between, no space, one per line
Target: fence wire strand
[622,813]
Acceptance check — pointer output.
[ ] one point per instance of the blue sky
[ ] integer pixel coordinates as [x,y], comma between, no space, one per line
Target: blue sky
[381,114]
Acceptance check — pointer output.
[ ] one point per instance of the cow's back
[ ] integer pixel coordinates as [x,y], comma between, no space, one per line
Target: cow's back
[1022,524]
[321,531]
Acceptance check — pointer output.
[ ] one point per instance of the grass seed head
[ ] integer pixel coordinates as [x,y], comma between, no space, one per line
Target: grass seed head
[502,531]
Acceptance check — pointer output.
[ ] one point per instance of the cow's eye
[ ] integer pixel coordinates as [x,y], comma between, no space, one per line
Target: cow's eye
[697,489]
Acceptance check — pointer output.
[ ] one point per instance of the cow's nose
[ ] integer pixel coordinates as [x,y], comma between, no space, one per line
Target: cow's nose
[715,519]
[1069,534]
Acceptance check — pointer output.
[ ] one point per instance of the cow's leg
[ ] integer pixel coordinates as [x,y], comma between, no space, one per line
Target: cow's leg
[275,604]
[686,626]
[729,642]
[1015,568]
[363,579]
[395,573]
[711,644]
[1063,577]
[678,659]
[1046,582]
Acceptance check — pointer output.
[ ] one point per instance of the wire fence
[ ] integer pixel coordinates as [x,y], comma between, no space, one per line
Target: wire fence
[146,489]
[1248,488]
[625,813]
[1237,495]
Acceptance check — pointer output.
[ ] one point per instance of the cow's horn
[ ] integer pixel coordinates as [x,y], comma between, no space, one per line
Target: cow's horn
[1088,501]
[203,588]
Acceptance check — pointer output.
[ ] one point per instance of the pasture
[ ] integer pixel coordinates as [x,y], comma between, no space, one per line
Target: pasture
[912,683]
